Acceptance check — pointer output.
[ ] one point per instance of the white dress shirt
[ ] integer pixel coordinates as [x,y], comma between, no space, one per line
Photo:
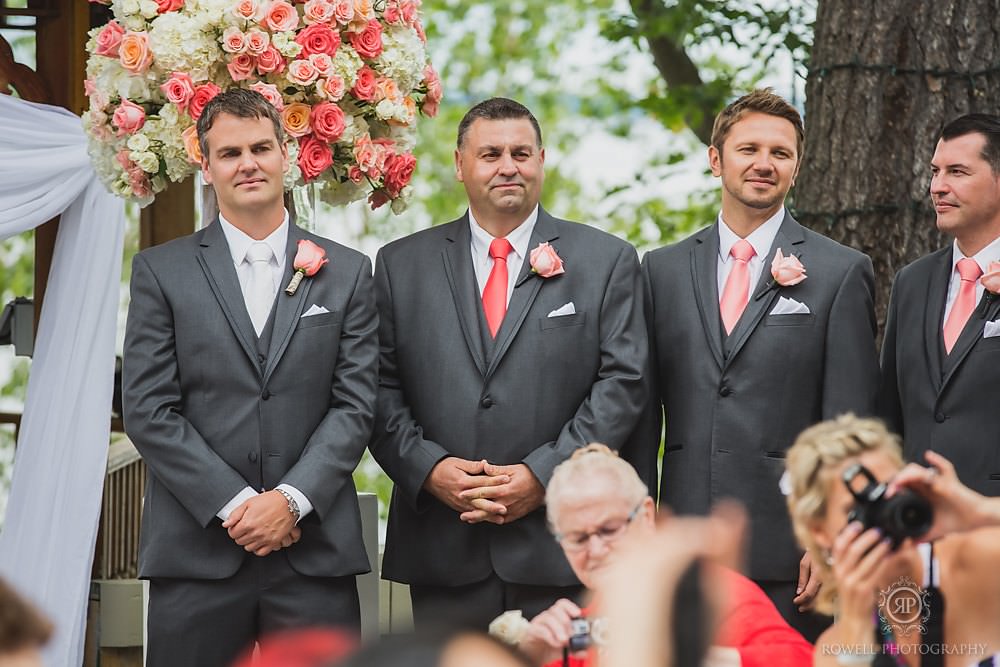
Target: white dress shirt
[990,253]
[761,239]
[238,243]
[482,263]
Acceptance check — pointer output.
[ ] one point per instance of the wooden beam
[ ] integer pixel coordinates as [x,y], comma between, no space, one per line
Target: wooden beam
[170,216]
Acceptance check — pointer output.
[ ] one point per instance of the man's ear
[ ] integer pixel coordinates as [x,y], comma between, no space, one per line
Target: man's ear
[458,165]
[715,161]
[206,175]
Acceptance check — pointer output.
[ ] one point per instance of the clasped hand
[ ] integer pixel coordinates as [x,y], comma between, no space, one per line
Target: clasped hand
[481,491]
[263,524]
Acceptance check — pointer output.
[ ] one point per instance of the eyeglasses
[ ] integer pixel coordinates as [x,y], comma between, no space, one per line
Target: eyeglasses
[607,532]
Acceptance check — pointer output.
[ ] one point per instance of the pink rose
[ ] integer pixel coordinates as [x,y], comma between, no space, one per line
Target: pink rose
[139,183]
[343,11]
[309,258]
[327,121]
[164,6]
[108,40]
[315,157]
[134,53]
[233,40]
[368,42]
[392,13]
[434,94]
[241,66]
[787,271]
[201,97]
[378,198]
[98,98]
[355,174]
[419,29]
[248,10]
[545,261]
[191,145]
[409,11]
[179,89]
[302,72]
[318,38]
[333,88]
[991,279]
[257,41]
[281,17]
[323,64]
[365,153]
[270,60]
[270,93]
[364,86]
[398,171]
[318,11]
[128,118]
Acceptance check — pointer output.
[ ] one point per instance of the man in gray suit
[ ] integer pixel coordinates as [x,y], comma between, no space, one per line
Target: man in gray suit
[251,408]
[746,358]
[508,338]
[942,335]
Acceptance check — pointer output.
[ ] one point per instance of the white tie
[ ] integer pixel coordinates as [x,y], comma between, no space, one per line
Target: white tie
[260,291]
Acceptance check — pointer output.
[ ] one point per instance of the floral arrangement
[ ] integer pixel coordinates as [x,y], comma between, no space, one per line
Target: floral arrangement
[347,77]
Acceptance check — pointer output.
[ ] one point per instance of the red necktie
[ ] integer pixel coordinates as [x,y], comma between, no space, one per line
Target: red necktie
[736,292]
[495,293]
[965,302]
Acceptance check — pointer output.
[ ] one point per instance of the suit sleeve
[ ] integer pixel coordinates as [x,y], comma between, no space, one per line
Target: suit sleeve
[850,378]
[172,448]
[397,443]
[610,413]
[333,450]
[889,404]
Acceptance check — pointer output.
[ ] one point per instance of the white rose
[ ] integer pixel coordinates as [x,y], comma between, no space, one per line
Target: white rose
[146,160]
[138,142]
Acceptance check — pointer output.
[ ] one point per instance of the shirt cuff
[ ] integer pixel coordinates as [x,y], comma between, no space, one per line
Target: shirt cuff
[304,505]
[246,494]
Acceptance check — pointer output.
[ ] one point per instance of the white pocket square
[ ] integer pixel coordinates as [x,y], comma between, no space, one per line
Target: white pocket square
[315,310]
[568,309]
[991,329]
[786,306]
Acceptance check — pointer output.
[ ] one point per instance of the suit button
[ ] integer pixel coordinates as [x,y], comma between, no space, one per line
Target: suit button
[252,456]
[261,358]
[486,402]
[939,417]
[265,394]
[724,390]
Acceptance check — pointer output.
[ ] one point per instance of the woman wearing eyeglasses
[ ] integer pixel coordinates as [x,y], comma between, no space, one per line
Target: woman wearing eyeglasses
[595,502]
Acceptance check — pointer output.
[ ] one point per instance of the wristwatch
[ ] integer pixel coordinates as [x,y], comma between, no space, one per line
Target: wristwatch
[293,505]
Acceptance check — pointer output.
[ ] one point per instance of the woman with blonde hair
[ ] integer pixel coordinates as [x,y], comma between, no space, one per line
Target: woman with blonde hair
[895,602]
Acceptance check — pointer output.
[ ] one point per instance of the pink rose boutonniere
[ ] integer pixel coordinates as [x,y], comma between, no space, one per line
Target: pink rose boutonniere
[308,260]
[787,271]
[545,261]
[991,279]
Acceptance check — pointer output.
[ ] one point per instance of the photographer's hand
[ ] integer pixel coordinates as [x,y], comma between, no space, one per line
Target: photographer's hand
[549,632]
[858,556]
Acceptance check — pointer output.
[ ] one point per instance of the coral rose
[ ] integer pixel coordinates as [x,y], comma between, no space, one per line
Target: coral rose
[270,61]
[202,94]
[241,66]
[315,157]
[318,38]
[364,86]
[327,121]
[164,6]
[398,172]
[368,42]
[179,89]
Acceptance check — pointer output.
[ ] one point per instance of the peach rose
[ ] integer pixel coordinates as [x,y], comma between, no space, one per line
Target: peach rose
[257,41]
[787,271]
[309,258]
[281,16]
[327,121]
[164,6]
[191,145]
[315,157]
[318,11]
[233,40]
[271,93]
[318,38]
[295,119]
[179,89]
[386,89]
[545,261]
[248,10]
[363,11]
[201,97]
[241,66]
[343,11]
[368,42]
[108,40]
[364,86]
[398,172]
[270,60]
[128,117]
[333,88]
[991,279]
[323,64]
[302,72]
[134,53]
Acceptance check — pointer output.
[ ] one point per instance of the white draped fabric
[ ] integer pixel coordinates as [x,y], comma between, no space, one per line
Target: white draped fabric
[47,541]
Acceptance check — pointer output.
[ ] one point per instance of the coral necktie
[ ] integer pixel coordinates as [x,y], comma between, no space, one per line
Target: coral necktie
[736,292]
[495,293]
[965,302]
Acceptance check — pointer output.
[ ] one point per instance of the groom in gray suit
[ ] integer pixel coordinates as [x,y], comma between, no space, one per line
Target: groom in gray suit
[509,338]
[748,353]
[251,407]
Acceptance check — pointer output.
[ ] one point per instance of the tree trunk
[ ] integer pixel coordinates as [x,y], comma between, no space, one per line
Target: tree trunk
[884,78]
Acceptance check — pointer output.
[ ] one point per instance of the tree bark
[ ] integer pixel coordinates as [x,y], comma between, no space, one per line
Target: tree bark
[884,78]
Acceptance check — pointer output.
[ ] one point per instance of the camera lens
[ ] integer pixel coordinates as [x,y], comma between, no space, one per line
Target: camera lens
[906,515]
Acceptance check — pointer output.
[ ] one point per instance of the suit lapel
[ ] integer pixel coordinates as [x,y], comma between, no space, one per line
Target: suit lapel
[987,309]
[705,276]
[289,308]
[458,268]
[937,294]
[791,240]
[217,263]
[525,290]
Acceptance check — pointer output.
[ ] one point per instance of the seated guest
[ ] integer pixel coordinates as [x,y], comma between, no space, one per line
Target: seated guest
[596,499]
[957,611]
[23,630]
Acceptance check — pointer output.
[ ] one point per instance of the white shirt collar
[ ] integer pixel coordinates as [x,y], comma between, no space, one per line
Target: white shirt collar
[761,238]
[991,253]
[239,241]
[519,238]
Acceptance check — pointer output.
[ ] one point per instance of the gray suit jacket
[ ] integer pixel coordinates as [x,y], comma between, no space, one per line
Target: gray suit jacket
[210,417]
[734,404]
[943,402]
[546,387]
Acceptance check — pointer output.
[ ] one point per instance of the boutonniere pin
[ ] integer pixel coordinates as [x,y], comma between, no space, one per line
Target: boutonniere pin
[785,272]
[545,261]
[309,258]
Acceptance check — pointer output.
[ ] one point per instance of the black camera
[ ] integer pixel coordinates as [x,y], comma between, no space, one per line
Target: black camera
[585,633]
[903,515]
